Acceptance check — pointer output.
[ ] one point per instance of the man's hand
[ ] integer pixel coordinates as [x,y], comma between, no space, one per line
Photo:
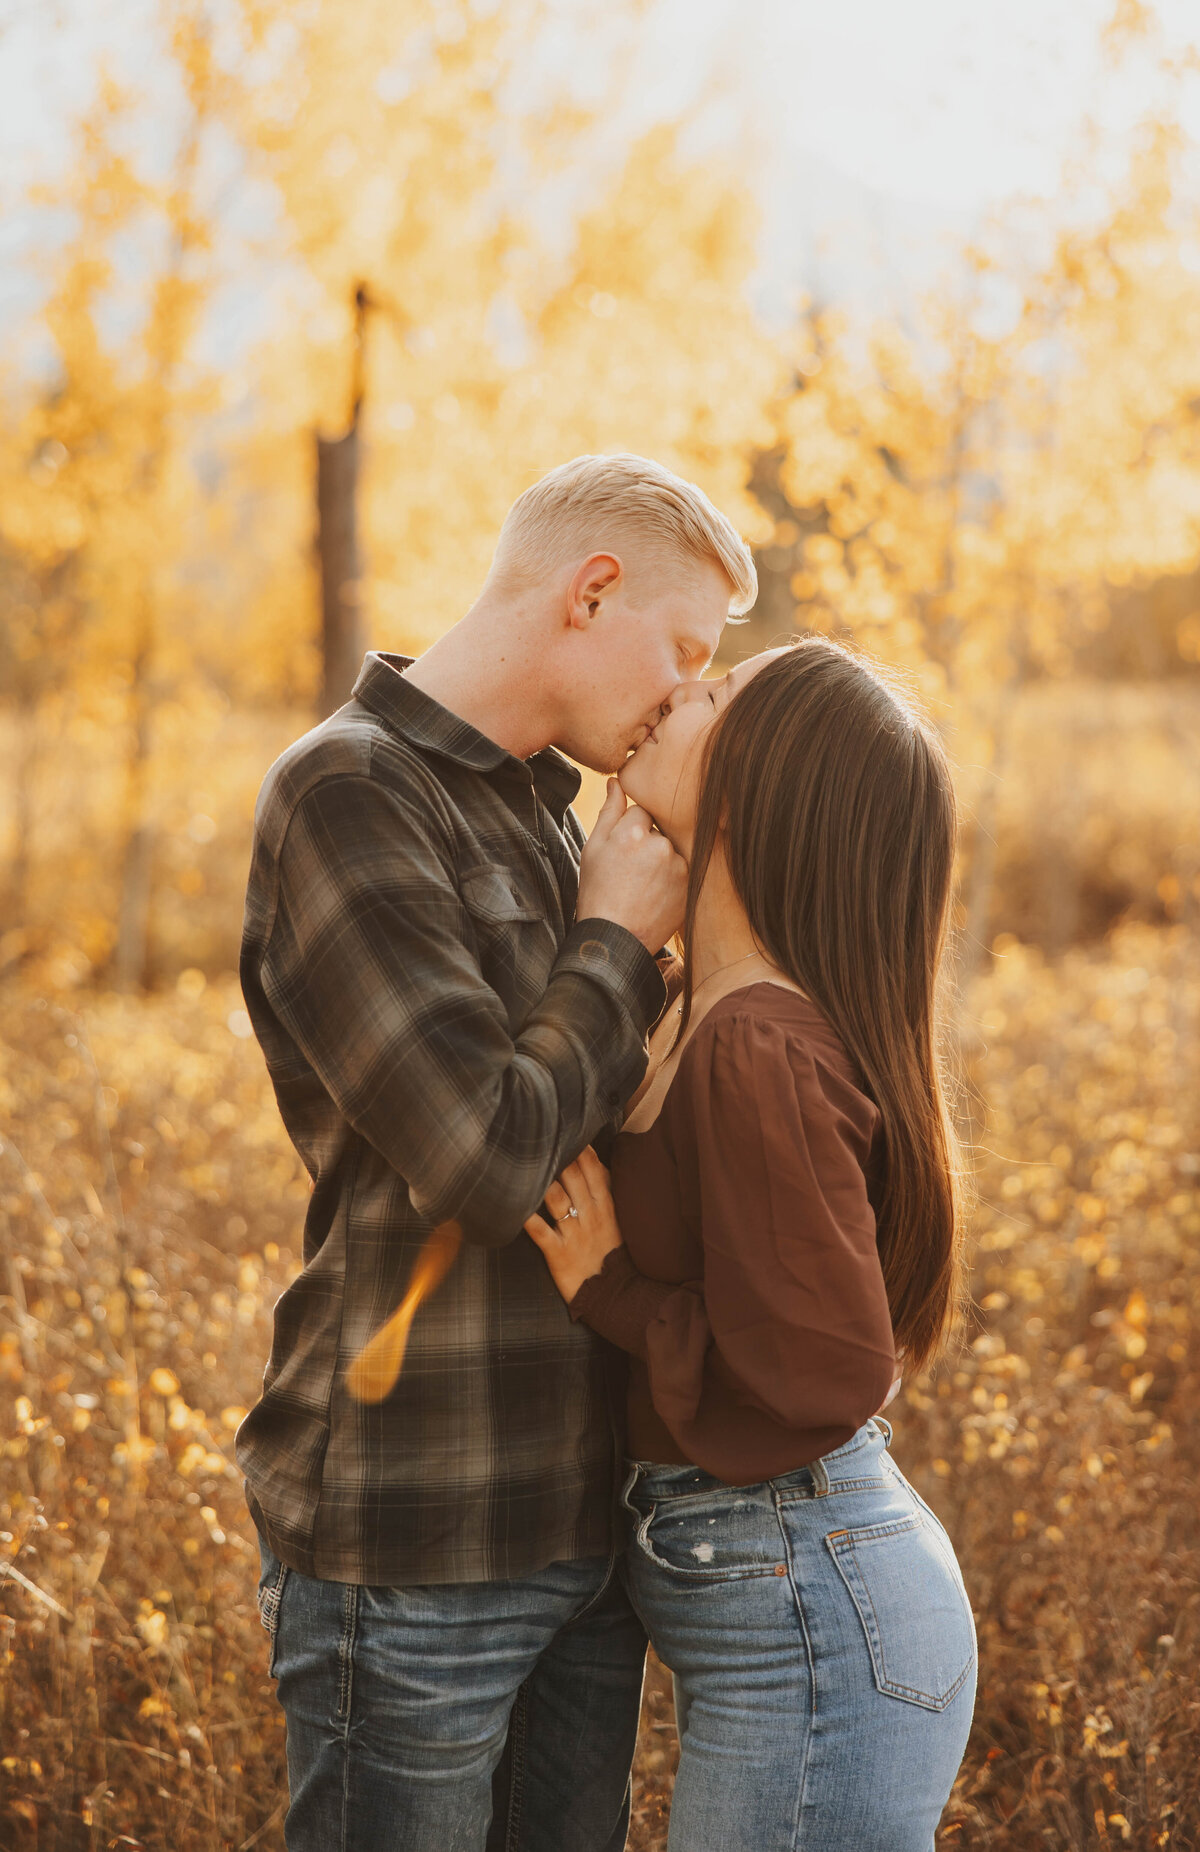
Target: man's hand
[631,874]
[586,1227]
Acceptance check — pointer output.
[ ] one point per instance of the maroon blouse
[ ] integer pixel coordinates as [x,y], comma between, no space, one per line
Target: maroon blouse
[749,1292]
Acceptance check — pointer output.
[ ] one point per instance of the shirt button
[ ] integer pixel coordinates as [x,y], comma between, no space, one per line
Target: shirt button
[596,950]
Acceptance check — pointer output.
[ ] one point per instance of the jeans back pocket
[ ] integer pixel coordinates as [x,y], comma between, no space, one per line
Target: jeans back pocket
[905,1583]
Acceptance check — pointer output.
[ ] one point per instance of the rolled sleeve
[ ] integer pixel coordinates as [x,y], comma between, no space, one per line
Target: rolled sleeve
[608,954]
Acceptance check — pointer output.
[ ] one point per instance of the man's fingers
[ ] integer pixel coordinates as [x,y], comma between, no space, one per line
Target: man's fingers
[631,874]
[636,822]
[611,810]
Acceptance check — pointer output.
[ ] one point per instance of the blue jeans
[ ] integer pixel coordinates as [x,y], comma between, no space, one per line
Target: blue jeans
[823,1650]
[399,1703]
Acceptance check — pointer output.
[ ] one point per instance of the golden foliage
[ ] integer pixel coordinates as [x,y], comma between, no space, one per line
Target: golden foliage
[967,500]
[973,502]
[490,354]
[151,1210]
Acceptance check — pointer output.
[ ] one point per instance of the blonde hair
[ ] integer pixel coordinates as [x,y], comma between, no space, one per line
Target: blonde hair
[590,504]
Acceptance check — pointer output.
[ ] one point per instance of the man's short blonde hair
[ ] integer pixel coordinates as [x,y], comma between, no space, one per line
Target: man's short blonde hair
[600,504]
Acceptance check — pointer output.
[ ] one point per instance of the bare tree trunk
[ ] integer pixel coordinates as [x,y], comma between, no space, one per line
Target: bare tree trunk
[133,918]
[25,772]
[337,536]
[979,887]
[133,914]
[337,550]
[1187,855]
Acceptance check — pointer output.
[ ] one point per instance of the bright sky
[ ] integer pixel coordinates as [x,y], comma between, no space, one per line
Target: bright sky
[880,129]
[872,127]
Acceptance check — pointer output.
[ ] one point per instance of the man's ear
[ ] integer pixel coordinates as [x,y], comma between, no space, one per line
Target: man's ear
[598,576]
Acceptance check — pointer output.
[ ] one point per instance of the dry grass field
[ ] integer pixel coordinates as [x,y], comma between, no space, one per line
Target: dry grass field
[297,298]
[151,1210]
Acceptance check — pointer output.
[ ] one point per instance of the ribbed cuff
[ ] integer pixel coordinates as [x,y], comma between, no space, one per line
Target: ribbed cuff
[619,1302]
[602,950]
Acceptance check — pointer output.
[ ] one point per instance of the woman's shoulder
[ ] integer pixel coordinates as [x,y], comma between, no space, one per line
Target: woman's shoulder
[773,1043]
[769,1015]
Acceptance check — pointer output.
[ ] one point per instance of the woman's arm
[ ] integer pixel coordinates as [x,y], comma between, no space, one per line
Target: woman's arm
[791,1318]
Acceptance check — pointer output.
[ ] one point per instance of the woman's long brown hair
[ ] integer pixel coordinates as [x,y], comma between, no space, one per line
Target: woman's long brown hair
[833,802]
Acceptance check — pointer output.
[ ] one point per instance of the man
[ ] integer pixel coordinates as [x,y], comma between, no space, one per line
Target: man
[452,1005]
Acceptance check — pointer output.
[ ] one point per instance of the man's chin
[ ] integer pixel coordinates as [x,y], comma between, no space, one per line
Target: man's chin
[606,760]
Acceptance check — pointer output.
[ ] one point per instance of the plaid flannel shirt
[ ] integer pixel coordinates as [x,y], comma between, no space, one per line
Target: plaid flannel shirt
[442,1040]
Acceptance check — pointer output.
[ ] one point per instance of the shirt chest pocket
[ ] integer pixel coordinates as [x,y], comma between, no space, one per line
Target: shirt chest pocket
[495,897]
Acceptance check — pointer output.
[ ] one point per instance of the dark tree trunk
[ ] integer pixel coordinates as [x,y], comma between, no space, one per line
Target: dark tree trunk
[26,722]
[337,550]
[137,862]
[978,891]
[133,916]
[337,535]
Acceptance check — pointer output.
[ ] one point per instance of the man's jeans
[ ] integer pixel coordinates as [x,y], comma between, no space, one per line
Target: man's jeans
[399,1703]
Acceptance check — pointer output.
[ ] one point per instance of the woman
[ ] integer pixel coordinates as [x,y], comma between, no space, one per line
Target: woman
[780,1222]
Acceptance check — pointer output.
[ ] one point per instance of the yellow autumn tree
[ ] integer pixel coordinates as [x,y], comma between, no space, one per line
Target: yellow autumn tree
[161,515]
[973,507]
[490,353]
[100,492]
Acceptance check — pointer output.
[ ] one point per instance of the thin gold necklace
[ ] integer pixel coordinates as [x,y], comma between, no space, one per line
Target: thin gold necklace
[712,974]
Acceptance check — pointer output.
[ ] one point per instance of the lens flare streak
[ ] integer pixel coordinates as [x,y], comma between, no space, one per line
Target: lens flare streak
[376,1369]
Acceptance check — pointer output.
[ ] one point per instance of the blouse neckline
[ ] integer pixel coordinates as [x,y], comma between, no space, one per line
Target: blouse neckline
[759,983]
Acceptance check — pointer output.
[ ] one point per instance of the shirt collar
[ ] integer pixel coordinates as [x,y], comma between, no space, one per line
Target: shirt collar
[408,711]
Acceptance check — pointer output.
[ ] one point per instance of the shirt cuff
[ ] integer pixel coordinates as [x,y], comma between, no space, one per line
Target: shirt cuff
[619,1303]
[606,952]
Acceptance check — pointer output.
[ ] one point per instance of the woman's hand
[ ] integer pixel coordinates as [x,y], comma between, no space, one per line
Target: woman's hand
[576,1245]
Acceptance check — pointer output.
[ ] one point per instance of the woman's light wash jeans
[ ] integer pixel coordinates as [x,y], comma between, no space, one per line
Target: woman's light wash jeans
[823,1650]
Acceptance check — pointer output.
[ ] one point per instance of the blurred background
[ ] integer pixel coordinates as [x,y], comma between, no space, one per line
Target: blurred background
[913,293]
[295,298]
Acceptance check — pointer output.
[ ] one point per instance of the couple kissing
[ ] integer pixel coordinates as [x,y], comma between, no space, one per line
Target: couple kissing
[702,1210]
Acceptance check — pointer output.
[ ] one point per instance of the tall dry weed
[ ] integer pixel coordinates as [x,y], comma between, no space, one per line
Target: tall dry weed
[151,1212]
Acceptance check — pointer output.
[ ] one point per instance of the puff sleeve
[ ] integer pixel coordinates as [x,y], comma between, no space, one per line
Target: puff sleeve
[788,1330]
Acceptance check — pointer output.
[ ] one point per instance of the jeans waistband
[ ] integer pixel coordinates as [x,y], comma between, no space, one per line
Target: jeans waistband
[855,1462]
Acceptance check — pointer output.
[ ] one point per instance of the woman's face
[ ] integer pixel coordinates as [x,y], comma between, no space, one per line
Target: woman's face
[663,775]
